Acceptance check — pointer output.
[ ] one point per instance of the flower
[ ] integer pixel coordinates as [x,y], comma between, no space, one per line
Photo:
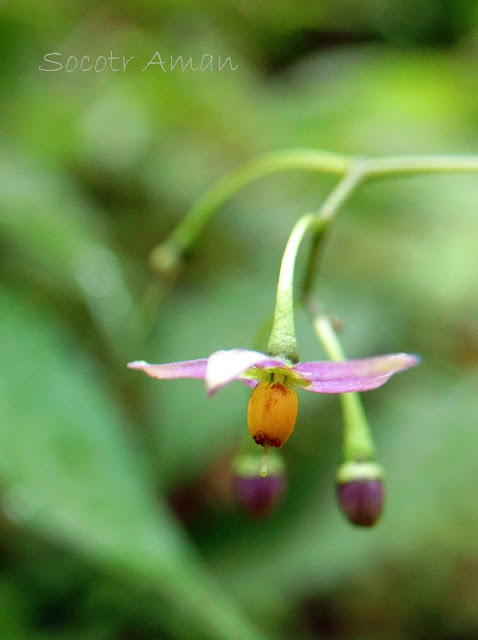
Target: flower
[273,405]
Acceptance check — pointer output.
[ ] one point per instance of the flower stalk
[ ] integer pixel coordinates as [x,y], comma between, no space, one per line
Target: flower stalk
[358,442]
[282,341]
[166,258]
[167,255]
[324,216]
[360,490]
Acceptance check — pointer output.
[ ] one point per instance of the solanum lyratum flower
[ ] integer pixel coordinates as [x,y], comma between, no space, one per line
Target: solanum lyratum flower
[272,410]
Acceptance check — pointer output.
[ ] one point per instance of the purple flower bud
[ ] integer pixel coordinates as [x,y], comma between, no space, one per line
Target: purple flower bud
[259,496]
[361,501]
[360,492]
[256,494]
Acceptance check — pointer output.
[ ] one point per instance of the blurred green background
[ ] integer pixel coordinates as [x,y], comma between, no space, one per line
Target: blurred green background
[116,521]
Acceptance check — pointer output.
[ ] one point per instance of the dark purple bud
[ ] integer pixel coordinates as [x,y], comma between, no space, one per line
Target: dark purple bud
[360,492]
[361,501]
[256,494]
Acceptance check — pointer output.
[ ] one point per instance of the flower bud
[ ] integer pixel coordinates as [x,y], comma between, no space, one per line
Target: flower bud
[256,494]
[272,413]
[360,492]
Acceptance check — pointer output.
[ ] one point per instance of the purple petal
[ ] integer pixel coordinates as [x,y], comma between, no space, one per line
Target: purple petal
[353,375]
[225,366]
[172,370]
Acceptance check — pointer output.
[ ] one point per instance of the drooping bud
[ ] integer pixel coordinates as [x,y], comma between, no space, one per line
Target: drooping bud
[272,413]
[256,494]
[360,492]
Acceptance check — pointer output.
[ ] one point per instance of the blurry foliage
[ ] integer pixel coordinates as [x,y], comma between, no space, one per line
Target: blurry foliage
[95,169]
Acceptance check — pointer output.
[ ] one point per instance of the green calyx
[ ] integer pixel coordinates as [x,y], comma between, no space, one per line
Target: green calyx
[354,471]
[276,374]
[249,465]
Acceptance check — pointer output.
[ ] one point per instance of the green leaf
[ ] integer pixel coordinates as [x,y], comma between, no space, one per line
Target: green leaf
[69,472]
[57,239]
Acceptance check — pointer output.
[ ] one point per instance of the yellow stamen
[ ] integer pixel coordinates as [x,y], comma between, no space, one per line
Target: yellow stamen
[272,413]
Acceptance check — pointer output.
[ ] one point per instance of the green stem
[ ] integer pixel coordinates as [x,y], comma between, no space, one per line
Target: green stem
[358,441]
[282,341]
[167,257]
[326,213]
[395,166]
[166,254]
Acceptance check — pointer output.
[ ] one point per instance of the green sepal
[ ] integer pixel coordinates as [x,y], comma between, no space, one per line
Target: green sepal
[249,465]
[291,378]
[354,471]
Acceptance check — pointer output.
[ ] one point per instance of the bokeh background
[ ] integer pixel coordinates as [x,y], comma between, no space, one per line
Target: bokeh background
[116,520]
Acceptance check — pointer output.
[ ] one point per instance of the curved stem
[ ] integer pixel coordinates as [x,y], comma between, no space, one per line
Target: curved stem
[186,233]
[326,213]
[166,256]
[358,442]
[282,342]
[395,166]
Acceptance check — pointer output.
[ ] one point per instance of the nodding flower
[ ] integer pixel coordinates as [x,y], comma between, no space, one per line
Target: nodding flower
[273,405]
